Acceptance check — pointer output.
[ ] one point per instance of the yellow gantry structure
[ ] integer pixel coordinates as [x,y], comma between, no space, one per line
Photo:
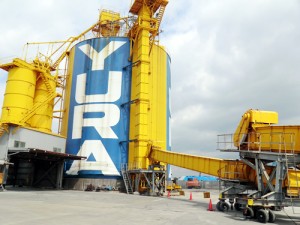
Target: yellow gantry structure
[255,132]
[140,91]
[109,23]
[230,170]
[225,169]
[143,109]
[268,157]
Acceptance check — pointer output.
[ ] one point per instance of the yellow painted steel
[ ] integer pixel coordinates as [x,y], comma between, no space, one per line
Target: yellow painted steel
[29,95]
[19,94]
[139,111]
[225,169]
[284,139]
[158,97]
[42,119]
[250,202]
[254,118]
[154,5]
[1,178]
[109,23]
[255,132]
[148,86]
[68,89]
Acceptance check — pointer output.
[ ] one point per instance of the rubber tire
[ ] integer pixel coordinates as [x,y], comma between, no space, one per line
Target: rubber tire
[218,206]
[237,206]
[224,206]
[262,216]
[272,216]
[248,212]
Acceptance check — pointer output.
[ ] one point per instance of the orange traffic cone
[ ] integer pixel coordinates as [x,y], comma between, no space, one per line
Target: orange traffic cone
[210,207]
[191,196]
[169,195]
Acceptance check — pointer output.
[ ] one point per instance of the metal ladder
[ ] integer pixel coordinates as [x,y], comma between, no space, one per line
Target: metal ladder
[158,22]
[37,106]
[126,179]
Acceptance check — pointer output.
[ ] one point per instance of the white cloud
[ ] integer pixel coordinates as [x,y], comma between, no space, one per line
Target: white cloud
[227,57]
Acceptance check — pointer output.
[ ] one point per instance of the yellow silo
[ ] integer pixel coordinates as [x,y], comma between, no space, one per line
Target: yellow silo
[42,119]
[19,94]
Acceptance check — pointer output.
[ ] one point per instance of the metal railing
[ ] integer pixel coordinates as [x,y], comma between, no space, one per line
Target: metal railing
[134,166]
[276,141]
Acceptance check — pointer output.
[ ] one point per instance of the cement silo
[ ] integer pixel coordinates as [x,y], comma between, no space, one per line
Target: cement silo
[97,100]
[19,94]
[42,119]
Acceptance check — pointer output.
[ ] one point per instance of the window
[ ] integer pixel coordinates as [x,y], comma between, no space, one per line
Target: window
[55,149]
[19,144]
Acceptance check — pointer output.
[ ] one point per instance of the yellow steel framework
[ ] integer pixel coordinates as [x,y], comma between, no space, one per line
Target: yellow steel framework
[257,151]
[142,36]
[269,164]
[234,170]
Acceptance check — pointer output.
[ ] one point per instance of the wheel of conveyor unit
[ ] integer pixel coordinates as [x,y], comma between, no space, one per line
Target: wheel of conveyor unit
[272,216]
[262,215]
[224,206]
[248,212]
[218,206]
[237,206]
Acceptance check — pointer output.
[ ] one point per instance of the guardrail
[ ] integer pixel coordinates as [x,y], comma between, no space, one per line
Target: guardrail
[280,142]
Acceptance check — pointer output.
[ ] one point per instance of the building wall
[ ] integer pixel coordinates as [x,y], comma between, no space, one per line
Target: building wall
[3,147]
[27,138]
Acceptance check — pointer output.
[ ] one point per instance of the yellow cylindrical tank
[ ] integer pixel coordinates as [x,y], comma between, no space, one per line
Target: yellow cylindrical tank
[19,94]
[158,111]
[42,119]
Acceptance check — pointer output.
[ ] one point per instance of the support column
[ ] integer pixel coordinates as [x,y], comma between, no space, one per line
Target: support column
[60,172]
[258,177]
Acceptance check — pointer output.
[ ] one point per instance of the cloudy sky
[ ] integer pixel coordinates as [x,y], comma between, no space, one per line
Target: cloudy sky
[227,56]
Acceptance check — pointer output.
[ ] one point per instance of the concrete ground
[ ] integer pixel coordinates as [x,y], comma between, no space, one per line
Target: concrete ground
[36,207]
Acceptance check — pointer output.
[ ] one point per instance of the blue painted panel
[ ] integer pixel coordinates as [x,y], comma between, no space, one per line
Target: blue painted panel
[99,110]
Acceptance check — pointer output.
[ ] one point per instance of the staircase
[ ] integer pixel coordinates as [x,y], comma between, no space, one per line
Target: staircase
[40,67]
[126,179]
[157,25]
[160,15]
[37,106]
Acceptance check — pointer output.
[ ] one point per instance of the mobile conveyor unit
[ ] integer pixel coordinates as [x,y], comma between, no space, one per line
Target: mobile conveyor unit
[266,176]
